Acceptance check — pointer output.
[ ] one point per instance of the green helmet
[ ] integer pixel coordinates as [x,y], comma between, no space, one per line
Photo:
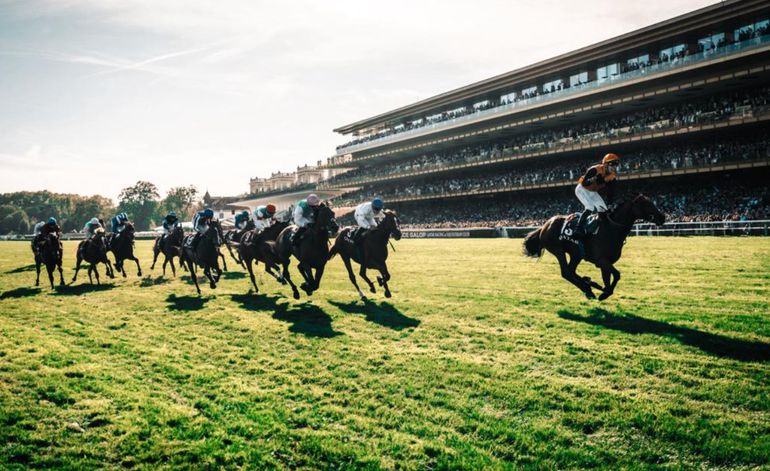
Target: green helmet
[303,204]
[244,213]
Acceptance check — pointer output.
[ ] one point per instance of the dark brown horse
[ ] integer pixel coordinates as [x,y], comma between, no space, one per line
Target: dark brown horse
[602,249]
[233,237]
[261,247]
[122,247]
[206,255]
[170,246]
[94,251]
[374,251]
[47,249]
[312,251]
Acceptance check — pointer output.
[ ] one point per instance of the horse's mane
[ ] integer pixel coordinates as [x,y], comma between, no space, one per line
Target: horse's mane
[390,212]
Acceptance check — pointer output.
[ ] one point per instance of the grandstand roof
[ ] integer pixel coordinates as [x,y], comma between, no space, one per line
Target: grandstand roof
[722,12]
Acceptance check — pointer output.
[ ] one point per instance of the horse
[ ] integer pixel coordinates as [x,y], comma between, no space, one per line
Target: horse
[261,246]
[122,247]
[374,251]
[170,246]
[94,251]
[602,248]
[47,249]
[312,251]
[206,254]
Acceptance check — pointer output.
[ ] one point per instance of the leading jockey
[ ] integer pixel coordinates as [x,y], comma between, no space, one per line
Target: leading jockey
[599,177]
[42,229]
[118,224]
[304,214]
[263,217]
[200,224]
[367,217]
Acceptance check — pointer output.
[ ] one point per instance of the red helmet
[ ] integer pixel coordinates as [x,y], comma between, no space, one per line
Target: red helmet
[270,209]
[610,158]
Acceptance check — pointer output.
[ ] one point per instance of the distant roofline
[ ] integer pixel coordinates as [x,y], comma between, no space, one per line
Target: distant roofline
[717,12]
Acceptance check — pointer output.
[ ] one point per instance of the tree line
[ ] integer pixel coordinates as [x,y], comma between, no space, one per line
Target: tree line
[20,211]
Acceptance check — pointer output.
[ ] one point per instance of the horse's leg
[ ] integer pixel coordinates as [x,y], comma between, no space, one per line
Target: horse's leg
[224,262]
[352,276]
[383,280]
[251,273]
[37,267]
[287,277]
[77,267]
[155,253]
[307,274]
[90,270]
[362,274]
[50,268]
[138,268]
[568,272]
[61,271]
[275,273]
[173,268]
[109,270]
[194,276]
[319,273]
[610,276]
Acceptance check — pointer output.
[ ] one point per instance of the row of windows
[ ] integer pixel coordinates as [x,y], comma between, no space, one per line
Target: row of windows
[670,53]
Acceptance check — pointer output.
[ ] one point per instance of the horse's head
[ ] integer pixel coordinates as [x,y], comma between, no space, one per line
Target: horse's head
[324,220]
[390,224]
[214,233]
[129,229]
[643,208]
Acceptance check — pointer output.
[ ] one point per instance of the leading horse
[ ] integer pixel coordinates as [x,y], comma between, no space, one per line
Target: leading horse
[602,249]
[373,253]
[122,247]
[312,251]
[206,254]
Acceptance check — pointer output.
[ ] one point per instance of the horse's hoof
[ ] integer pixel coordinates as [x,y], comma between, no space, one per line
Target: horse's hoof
[371,289]
[139,274]
[296,295]
[387,294]
[590,295]
[604,296]
[212,286]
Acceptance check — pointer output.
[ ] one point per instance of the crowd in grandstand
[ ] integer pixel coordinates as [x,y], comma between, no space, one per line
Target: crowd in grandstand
[683,204]
[715,108]
[568,171]
[743,35]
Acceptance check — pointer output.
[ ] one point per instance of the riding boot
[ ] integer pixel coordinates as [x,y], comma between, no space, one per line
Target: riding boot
[195,241]
[580,230]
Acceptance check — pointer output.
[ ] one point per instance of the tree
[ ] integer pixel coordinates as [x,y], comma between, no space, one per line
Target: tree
[182,200]
[16,222]
[140,202]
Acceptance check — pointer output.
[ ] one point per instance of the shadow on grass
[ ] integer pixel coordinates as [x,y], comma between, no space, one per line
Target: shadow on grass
[185,303]
[22,269]
[715,344]
[384,313]
[19,293]
[150,281]
[307,319]
[233,275]
[76,290]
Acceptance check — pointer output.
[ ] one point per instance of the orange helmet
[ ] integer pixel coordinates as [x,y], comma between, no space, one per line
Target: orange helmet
[610,158]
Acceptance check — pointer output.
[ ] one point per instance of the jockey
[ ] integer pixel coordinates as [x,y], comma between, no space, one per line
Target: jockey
[367,216]
[91,226]
[42,229]
[304,214]
[119,223]
[241,220]
[599,177]
[170,222]
[263,217]
[200,224]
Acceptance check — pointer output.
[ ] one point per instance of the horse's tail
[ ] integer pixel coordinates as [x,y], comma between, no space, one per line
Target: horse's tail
[532,246]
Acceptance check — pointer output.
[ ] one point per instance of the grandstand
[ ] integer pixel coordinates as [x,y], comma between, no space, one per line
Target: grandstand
[684,102]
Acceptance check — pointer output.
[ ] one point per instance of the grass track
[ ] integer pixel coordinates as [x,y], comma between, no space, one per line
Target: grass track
[482,358]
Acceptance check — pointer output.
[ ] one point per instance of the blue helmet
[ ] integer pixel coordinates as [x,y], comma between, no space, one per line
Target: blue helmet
[377,204]
[171,214]
[123,216]
[208,212]
[52,220]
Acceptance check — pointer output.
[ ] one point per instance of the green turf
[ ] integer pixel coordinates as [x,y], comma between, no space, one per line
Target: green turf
[483,358]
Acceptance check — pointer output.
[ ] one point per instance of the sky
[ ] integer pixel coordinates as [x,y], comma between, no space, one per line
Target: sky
[98,94]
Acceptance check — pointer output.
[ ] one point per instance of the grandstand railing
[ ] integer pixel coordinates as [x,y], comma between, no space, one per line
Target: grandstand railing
[512,155]
[630,75]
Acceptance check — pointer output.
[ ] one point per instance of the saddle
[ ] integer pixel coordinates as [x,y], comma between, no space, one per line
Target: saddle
[570,227]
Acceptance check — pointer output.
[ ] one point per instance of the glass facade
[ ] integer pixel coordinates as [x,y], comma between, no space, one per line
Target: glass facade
[609,70]
[642,60]
[578,79]
[669,52]
[553,85]
[711,42]
[508,98]
[529,91]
